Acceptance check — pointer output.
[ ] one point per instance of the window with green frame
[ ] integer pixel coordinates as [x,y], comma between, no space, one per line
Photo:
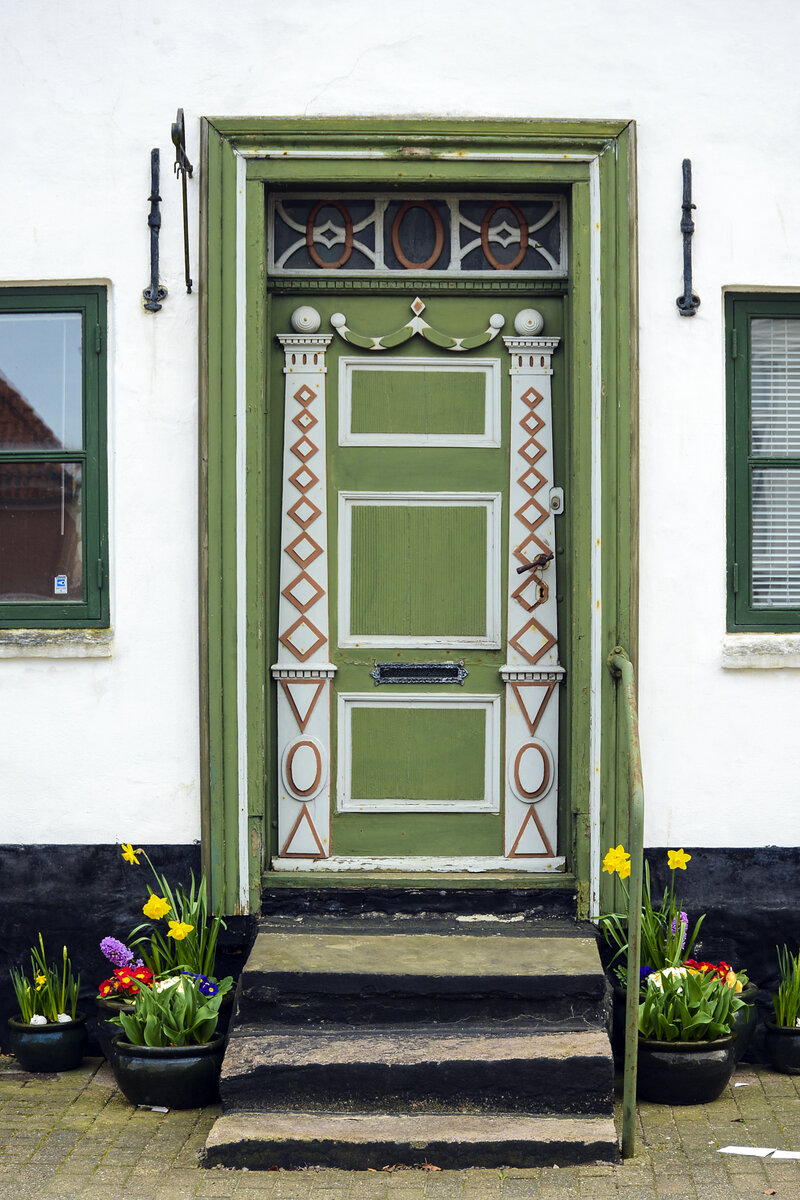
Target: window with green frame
[763,461]
[53,480]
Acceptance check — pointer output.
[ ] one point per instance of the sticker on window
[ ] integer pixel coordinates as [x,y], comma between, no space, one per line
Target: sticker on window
[60,585]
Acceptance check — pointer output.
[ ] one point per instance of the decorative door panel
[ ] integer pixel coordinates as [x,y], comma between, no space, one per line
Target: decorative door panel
[418,673]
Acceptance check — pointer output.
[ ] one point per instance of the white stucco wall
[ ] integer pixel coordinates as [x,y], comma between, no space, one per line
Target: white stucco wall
[107,748]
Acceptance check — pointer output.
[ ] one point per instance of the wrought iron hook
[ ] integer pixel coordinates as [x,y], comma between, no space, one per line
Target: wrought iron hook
[688,303]
[182,168]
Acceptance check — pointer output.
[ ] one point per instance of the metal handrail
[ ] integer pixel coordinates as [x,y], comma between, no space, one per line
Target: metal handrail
[621,668]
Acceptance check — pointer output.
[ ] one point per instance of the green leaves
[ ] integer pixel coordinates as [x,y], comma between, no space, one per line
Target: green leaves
[682,1006]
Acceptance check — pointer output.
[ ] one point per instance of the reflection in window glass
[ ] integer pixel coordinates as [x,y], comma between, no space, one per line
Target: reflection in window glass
[40,381]
[40,531]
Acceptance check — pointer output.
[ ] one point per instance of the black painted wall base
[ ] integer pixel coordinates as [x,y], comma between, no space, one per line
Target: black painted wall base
[751,898]
[77,895]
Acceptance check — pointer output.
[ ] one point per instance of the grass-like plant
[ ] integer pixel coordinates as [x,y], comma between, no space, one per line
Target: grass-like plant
[179,934]
[786,1000]
[50,993]
[666,940]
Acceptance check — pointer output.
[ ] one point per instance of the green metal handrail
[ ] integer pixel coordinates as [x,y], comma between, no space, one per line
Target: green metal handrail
[621,668]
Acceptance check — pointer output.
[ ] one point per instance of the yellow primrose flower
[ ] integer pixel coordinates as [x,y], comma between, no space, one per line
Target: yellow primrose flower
[179,930]
[156,907]
[678,859]
[129,854]
[617,859]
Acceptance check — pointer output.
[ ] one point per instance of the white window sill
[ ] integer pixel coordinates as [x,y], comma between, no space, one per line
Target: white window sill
[760,651]
[56,643]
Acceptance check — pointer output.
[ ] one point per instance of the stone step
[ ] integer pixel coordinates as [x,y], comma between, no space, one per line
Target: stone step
[387,971]
[418,1069]
[373,1140]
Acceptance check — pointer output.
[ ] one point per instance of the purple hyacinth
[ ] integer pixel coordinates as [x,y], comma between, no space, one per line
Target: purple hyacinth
[684,920]
[116,952]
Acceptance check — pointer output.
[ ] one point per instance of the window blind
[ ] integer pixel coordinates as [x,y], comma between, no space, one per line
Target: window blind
[775,487]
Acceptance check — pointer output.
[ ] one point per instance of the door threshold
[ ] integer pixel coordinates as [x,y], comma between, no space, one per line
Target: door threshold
[421,865]
[380,880]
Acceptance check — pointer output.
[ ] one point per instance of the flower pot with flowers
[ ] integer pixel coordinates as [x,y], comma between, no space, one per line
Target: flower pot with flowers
[48,1033]
[783,1034]
[687,1048]
[665,937]
[179,936]
[169,1052]
[117,993]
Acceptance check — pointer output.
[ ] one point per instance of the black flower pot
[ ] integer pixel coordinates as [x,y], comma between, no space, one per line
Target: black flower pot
[685,1072]
[55,1047]
[107,1029]
[745,1020]
[168,1076]
[783,1048]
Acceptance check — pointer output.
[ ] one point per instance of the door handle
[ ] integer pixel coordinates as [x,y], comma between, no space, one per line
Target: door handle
[538,563]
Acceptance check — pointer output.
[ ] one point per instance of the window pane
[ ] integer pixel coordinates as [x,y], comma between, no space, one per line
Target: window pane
[40,381]
[41,556]
[776,538]
[775,385]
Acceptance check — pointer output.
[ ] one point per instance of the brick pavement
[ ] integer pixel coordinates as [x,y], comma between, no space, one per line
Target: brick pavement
[74,1137]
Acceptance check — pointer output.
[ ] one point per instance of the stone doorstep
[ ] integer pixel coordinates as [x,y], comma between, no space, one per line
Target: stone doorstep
[364,1140]
[488,1068]
[306,960]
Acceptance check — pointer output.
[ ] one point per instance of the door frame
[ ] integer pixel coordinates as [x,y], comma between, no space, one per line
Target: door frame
[594,161]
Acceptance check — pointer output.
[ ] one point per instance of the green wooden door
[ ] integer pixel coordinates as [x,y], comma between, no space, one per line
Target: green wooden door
[402,480]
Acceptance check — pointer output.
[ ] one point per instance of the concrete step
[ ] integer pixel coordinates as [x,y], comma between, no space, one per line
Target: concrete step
[374,1140]
[418,1069]
[388,970]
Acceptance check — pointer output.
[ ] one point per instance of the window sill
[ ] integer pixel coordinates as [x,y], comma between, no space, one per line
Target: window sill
[56,643]
[760,651]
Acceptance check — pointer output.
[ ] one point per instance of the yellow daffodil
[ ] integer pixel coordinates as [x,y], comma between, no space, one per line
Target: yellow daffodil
[41,980]
[179,930]
[156,908]
[618,860]
[129,854]
[678,859]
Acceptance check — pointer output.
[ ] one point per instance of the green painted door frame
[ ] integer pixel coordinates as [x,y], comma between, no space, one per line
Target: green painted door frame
[594,164]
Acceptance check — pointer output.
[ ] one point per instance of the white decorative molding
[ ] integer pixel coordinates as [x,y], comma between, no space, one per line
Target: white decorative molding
[532,672]
[413,864]
[761,651]
[488,367]
[491,501]
[303,670]
[490,705]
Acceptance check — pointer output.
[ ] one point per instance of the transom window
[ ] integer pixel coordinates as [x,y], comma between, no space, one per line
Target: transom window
[391,234]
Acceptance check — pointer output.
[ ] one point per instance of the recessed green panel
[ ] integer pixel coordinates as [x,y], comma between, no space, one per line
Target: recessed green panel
[418,570]
[432,754]
[418,401]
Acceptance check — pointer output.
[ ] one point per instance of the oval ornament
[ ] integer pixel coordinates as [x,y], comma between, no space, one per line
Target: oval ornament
[342,234]
[304,768]
[438,229]
[531,776]
[487,231]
